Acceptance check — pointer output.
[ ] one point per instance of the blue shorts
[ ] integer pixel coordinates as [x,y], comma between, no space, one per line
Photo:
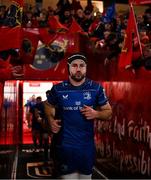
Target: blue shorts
[71,160]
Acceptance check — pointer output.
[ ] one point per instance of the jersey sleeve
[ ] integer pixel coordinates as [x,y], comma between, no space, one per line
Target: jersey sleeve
[102,98]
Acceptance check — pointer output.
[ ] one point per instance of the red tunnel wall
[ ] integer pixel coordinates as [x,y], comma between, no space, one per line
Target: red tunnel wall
[125,140]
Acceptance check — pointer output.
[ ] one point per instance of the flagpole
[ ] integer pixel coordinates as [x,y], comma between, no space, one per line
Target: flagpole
[139,42]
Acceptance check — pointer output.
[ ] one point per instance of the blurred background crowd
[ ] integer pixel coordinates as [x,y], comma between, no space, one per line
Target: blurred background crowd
[106,33]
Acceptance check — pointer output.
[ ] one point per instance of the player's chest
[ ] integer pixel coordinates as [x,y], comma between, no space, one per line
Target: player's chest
[78,98]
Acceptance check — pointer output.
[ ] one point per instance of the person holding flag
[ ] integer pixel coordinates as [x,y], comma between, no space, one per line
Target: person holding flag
[131,34]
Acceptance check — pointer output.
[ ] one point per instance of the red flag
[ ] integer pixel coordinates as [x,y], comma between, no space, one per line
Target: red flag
[4,64]
[55,25]
[18,2]
[125,58]
[5,68]
[10,38]
[28,47]
[75,27]
[138,2]
[46,36]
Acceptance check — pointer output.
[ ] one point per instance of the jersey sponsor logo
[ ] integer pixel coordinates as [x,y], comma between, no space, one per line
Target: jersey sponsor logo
[70,108]
[87,95]
[78,103]
[65,96]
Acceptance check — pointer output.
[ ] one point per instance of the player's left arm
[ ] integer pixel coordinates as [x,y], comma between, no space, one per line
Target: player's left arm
[102,112]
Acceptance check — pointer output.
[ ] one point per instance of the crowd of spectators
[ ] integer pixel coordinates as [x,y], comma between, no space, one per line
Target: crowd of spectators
[107,35]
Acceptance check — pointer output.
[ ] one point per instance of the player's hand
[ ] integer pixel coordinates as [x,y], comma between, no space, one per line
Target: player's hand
[55,126]
[88,112]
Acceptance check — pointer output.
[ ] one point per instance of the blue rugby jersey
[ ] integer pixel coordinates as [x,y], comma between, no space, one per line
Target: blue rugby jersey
[76,130]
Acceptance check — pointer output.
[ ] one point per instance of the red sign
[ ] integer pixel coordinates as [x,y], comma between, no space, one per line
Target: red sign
[34,84]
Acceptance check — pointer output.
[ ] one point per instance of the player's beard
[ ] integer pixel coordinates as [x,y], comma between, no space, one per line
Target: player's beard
[78,76]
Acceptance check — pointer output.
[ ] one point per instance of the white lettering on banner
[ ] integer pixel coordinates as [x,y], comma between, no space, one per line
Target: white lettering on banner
[141,132]
[136,133]
[136,163]
[139,163]
[119,128]
[138,130]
